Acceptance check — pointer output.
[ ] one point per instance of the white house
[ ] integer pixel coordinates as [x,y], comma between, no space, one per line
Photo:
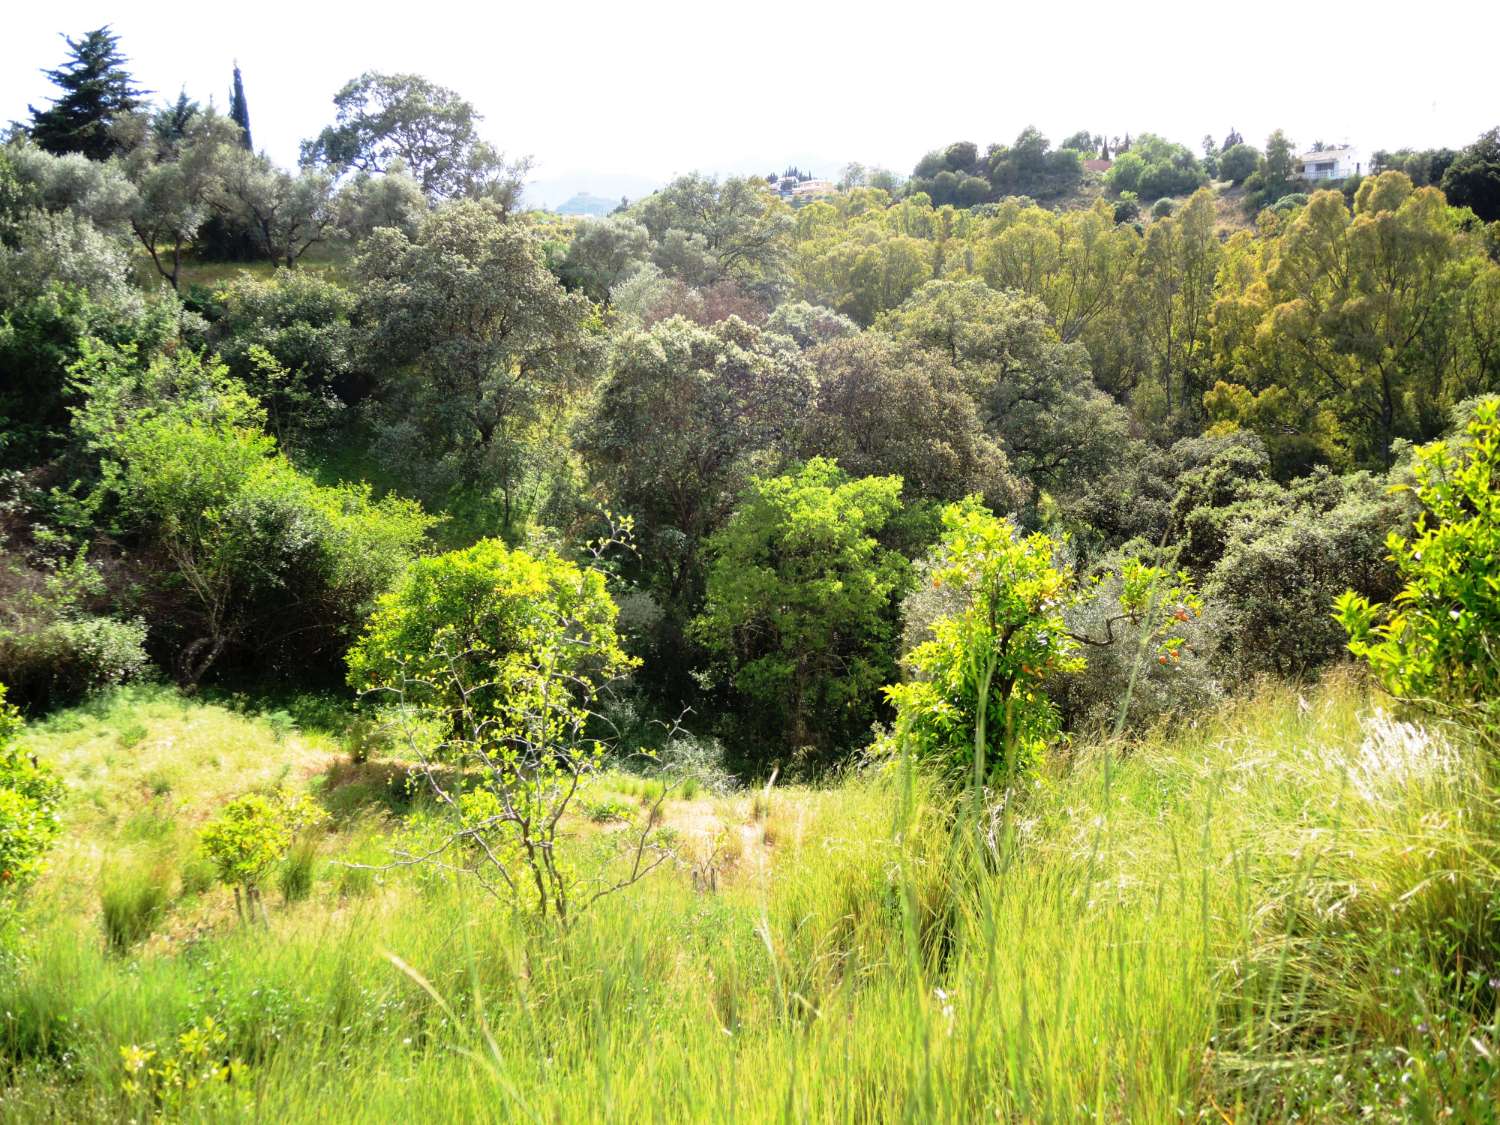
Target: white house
[1338,162]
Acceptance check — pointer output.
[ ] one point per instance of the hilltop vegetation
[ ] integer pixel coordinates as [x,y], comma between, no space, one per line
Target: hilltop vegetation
[878,653]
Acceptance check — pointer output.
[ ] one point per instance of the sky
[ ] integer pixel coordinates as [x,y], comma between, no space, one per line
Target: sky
[617,92]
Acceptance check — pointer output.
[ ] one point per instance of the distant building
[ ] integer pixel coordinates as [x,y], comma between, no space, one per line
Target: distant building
[811,189]
[1097,165]
[1338,162]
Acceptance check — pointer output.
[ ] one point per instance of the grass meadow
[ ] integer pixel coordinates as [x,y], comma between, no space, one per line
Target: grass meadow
[1286,911]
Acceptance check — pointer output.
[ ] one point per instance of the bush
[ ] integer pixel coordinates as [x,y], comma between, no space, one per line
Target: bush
[1161,208]
[68,659]
[1438,640]
[30,797]
[1128,207]
[251,835]
[1285,561]
[1238,162]
[505,654]
[976,705]
[1131,684]
[246,555]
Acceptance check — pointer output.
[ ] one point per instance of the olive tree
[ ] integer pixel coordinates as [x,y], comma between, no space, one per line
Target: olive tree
[479,351]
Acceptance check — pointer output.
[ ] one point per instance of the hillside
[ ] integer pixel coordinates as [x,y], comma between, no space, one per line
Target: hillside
[1237,888]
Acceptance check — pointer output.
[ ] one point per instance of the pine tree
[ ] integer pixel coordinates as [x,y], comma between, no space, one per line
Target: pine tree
[97,90]
[239,111]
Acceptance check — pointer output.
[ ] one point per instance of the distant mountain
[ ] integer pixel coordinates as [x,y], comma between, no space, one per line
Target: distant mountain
[554,192]
[585,204]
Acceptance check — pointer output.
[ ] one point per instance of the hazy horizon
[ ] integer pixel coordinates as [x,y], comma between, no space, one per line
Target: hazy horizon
[599,93]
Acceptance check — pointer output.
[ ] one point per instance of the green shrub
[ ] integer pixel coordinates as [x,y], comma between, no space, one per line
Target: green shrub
[1287,557]
[255,559]
[1127,207]
[1161,209]
[251,835]
[30,797]
[70,659]
[1438,640]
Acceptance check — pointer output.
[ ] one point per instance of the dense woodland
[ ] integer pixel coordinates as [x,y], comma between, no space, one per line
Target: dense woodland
[938,492]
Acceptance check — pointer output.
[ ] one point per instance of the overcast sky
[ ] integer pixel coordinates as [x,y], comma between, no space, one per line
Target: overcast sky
[655,87]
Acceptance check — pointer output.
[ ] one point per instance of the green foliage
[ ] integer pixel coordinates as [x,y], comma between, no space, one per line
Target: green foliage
[504,655]
[888,409]
[976,703]
[1154,167]
[253,834]
[30,796]
[488,618]
[799,614]
[480,353]
[1472,179]
[387,122]
[254,556]
[288,339]
[194,1070]
[97,94]
[1438,640]
[707,231]
[1237,162]
[1034,392]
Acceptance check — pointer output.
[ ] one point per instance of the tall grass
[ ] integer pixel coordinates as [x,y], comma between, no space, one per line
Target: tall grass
[1286,911]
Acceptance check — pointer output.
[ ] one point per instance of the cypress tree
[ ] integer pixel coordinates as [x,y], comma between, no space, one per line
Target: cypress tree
[97,90]
[239,111]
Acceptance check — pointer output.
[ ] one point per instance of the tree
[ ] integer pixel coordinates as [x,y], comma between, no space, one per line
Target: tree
[1035,393]
[887,410]
[602,253]
[739,229]
[1153,167]
[1472,180]
[975,701]
[1437,642]
[97,93]
[243,555]
[799,616]
[250,836]
[1031,167]
[686,417]
[1278,168]
[169,126]
[1173,297]
[494,661]
[286,214]
[386,121]
[239,110]
[478,349]
[1237,163]
[176,186]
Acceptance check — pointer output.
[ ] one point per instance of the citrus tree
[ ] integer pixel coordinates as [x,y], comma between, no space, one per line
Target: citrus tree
[251,835]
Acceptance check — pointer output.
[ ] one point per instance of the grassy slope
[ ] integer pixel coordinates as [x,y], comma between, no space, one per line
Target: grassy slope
[1287,908]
